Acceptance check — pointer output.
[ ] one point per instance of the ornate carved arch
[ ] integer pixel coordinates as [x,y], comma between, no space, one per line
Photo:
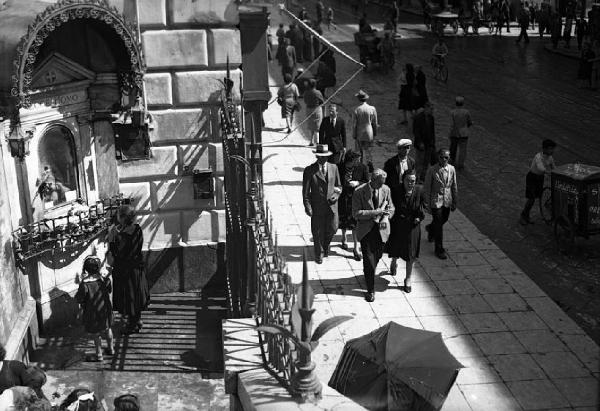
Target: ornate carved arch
[56,15]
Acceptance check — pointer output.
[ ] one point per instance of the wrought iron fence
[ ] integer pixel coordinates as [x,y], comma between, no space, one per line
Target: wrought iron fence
[258,282]
[275,298]
[235,204]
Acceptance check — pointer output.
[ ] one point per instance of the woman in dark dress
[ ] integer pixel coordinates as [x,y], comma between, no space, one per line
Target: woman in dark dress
[353,173]
[130,291]
[407,83]
[405,236]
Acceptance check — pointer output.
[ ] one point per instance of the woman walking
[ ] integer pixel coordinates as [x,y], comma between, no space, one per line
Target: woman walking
[313,99]
[131,294]
[405,236]
[406,100]
[287,97]
[353,173]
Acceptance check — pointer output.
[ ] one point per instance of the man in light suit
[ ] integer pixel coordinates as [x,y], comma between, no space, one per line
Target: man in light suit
[441,196]
[372,208]
[365,128]
[321,187]
[333,133]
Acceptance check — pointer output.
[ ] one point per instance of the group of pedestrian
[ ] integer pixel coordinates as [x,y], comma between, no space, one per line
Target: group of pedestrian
[384,218]
[382,207]
[298,45]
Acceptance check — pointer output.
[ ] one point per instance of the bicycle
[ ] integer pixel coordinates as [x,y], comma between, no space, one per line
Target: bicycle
[440,70]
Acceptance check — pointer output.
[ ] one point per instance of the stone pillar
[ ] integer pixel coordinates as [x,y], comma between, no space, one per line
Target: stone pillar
[256,94]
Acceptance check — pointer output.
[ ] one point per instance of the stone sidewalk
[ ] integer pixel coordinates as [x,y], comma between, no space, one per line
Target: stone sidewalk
[520,350]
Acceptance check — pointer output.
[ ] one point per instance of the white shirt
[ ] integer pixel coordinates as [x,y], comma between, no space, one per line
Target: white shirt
[445,178]
[323,169]
[541,164]
[403,166]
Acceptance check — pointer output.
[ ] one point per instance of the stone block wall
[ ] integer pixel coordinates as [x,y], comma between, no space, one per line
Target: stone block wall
[17,310]
[186,45]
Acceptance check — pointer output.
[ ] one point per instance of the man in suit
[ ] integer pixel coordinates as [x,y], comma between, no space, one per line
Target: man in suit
[372,208]
[365,128]
[333,133]
[398,165]
[441,196]
[321,187]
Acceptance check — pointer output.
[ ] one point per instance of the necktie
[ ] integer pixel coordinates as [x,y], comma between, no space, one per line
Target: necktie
[375,199]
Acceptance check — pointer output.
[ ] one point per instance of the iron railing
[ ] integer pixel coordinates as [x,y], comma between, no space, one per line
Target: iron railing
[275,298]
[258,282]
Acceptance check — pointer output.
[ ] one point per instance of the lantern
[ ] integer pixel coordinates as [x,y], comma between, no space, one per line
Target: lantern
[18,142]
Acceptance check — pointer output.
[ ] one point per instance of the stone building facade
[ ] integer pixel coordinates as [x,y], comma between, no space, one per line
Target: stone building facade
[73,93]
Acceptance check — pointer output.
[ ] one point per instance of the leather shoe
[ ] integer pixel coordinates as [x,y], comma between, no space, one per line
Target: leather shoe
[370,297]
[319,260]
[407,289]
[357,256]
[441,254]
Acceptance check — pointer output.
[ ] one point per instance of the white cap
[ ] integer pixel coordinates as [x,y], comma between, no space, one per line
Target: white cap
[404,142]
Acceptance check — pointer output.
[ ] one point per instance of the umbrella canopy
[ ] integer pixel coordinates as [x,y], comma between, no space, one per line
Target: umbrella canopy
[396,368]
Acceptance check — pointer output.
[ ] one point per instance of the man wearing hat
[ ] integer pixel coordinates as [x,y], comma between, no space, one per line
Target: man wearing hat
[398,165]
[321,187]
[333,133]
[365,127]
[459,133]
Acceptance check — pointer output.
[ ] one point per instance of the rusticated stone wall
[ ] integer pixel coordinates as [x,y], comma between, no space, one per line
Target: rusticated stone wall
[186,44]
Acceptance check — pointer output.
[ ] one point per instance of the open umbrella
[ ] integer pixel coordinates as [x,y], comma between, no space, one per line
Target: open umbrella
[396,368]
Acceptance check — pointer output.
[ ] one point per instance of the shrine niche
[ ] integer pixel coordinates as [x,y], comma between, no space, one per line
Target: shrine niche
[78,66]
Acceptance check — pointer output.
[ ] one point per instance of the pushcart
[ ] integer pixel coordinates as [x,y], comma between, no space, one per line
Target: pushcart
[439,21]
[575,203]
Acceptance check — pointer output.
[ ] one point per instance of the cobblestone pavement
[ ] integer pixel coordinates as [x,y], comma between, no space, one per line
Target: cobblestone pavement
[518,95]
[521,350]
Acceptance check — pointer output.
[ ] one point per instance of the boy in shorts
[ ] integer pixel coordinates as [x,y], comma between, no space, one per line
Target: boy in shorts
[542,164]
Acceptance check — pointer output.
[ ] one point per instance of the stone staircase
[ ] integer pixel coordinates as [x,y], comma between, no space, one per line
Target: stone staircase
[178,350]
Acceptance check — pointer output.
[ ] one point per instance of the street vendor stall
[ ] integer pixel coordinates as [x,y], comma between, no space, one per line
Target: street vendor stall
[575,203]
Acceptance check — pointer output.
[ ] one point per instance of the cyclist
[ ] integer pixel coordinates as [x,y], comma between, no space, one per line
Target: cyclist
[439,52]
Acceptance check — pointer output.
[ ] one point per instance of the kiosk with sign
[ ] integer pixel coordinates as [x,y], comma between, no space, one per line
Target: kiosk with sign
[575,203]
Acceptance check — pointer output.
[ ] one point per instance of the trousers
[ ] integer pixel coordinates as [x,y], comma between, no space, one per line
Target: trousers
[372,250]
[440,217]
[423,161]
[458,147]
[323,228]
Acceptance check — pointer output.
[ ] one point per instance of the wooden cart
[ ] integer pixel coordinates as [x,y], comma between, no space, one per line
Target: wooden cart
[439,21]
[575,203]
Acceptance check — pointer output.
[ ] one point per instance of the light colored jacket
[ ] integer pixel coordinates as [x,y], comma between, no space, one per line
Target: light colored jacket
[440,191]
[365,122]
[365,213]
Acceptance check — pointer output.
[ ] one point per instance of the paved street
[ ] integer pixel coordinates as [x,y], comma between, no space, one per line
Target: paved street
[520,348]
[518,95]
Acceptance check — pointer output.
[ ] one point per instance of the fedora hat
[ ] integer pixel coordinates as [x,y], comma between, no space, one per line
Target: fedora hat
[362,95]
[322,150]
